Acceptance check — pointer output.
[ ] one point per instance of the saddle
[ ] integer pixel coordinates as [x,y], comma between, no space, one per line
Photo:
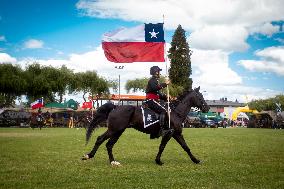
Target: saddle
[149,116]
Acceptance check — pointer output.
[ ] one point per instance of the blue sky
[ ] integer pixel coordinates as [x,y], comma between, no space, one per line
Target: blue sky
[238,56]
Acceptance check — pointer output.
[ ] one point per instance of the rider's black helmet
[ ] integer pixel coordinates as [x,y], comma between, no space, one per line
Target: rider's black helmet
[154,70]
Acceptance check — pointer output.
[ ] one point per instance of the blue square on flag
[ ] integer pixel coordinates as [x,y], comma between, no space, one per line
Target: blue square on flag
[154,32]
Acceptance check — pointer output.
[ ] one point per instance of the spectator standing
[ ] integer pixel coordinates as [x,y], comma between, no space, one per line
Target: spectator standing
[71,121]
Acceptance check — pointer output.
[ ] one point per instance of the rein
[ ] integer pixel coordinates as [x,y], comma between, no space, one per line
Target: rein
[179,107]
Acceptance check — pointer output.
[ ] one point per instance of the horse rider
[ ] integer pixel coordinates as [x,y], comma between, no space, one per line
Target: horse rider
[39,115]
[153,97]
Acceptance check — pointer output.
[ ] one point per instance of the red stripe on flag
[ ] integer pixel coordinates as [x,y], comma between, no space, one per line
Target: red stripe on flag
[127,52]
[87,105]
[37,106]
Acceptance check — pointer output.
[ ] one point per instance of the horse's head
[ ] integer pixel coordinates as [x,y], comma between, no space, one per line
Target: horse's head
[198,100]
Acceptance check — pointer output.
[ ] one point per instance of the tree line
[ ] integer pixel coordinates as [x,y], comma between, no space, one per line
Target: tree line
[267,104]
[37,81]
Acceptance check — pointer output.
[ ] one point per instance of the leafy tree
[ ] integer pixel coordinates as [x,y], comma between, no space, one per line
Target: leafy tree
[37,83]
[140,85]
[113,84]
[62,81]
[267,104]
[12,84]
[136,85]
[100,88]
[179,55]
[58,81]
[90,82]
[175,90]
[48,82]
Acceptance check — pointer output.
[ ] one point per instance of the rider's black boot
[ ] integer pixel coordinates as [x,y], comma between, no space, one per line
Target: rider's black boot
[165,130]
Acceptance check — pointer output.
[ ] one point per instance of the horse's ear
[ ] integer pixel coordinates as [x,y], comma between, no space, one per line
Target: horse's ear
[197,89]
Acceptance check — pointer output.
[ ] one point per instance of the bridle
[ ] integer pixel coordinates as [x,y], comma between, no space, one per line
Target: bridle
[203,103]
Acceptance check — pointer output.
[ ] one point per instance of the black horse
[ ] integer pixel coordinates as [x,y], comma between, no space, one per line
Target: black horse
[123,117]
[37,121]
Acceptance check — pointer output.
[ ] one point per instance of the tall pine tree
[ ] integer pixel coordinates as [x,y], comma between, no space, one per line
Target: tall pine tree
[179,55]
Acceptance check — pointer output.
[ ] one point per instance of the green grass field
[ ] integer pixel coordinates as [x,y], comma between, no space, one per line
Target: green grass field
[232,158]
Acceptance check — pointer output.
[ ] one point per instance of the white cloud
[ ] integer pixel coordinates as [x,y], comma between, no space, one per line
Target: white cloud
[212,68]
[273,53]
[227,38]
[265,29]
[191,14]
[33,44]
[213,73]
[272,60]
[239,92]
[2,38]
[213,25]
[6,58]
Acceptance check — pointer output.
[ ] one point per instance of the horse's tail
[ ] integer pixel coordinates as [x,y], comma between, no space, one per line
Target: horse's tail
[100,116]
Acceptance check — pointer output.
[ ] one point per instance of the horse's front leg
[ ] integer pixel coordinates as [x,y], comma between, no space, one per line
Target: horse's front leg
[163,144]
[179,138]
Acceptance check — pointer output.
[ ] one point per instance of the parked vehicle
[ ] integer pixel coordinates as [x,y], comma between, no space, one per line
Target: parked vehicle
[260,120]
[14,117]
[192,120]
[208,123]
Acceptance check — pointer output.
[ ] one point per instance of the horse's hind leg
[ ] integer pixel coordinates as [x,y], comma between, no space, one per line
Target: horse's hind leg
[111,142]
[99,141]
[163,144]
[179,138]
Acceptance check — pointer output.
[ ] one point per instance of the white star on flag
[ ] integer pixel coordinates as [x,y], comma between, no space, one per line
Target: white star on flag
[153,34]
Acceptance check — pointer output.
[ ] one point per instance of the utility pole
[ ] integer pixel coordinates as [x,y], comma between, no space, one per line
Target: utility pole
[120,68]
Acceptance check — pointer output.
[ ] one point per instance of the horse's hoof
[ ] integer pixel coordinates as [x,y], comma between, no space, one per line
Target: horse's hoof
[115,164]
[85,157]
[159,162]
[196,161]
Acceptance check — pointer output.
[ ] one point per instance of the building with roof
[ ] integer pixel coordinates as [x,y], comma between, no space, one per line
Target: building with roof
[219,106]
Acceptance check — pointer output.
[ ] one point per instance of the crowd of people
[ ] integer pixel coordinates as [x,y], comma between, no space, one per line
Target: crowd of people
[68,119]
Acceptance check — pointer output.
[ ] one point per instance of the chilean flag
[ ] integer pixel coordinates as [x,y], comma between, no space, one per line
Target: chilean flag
[87,105]
[143,43]
[37,104]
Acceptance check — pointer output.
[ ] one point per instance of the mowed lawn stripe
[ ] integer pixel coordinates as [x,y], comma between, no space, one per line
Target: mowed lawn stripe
[231,158]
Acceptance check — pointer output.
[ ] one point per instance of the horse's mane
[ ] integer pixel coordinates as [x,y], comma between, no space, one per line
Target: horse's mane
[184,94]
[179,98]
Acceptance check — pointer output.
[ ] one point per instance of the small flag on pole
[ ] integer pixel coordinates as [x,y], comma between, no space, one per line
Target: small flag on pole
[37,104]
[87,105]
[143,43]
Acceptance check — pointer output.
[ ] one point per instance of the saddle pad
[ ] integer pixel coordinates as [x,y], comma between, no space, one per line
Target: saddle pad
[149,117]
